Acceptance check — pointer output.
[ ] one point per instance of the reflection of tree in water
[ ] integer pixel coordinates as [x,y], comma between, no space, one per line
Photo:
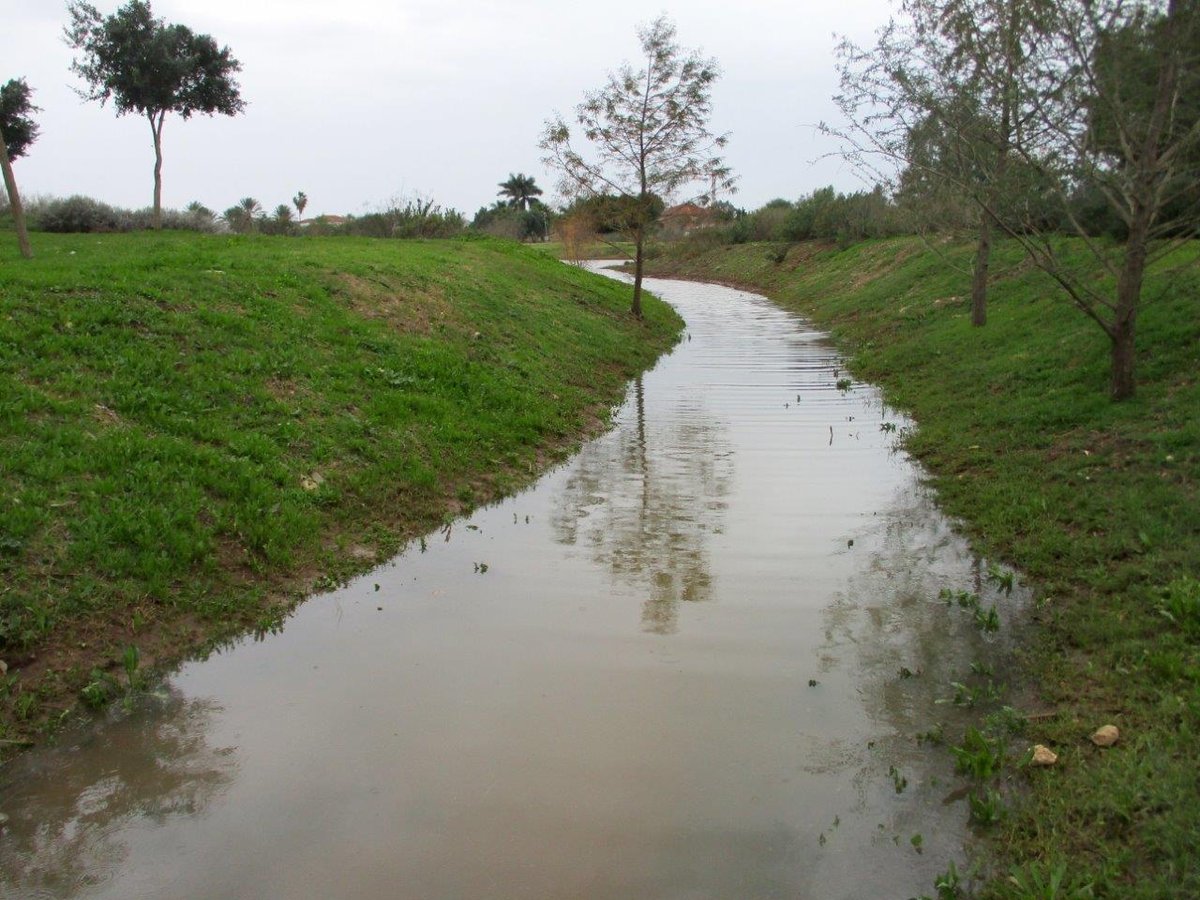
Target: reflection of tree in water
[68,807]
[644,501]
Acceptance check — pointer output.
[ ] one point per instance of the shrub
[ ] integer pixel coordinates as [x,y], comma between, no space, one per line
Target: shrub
[79,214]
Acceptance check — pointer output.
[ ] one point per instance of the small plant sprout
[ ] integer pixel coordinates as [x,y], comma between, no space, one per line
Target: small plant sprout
[130,660]
[986,807]
[918,843]
[982,669]
[979,757]
[1001,578]
[899,782]
[844,384]
[949,884]
[934,735]
[986,620]
[888,427]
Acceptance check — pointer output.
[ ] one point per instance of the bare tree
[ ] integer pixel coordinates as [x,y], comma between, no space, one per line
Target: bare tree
[937,102]
[647,136]
[1116,87]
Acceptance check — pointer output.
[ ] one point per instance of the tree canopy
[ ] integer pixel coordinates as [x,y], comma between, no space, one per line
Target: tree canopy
[17,132]
[16,117]
[521,191]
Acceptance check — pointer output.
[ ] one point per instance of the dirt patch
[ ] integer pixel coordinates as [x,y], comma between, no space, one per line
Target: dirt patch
[406,309]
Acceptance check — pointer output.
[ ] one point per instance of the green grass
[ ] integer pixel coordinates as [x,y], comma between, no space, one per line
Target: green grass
[1097,503]
[196,431]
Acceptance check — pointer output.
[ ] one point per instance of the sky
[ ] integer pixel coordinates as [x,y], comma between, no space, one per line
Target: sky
[357,102]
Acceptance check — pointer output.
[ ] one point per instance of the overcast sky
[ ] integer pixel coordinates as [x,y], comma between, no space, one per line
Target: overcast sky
[358,101]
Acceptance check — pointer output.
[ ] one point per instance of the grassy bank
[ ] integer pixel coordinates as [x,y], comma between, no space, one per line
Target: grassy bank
[1099,504]
[197,431]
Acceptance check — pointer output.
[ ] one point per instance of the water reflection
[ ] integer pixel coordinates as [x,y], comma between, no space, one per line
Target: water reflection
[645,504]
[69,806]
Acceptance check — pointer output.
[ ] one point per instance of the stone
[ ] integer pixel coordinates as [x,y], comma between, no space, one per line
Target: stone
[1043,755]
[1106,736]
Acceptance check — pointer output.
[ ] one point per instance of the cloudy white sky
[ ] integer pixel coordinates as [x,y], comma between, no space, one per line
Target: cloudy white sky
[358,101]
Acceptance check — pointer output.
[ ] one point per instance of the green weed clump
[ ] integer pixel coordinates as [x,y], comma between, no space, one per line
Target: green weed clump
[198,430]
[1097,505]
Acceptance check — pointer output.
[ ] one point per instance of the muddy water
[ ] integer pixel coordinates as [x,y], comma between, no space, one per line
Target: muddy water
[672,669]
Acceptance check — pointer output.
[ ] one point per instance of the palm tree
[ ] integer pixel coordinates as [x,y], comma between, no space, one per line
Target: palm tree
[521,191]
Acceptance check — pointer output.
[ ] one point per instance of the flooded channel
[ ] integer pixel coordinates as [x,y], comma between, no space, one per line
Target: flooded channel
[691,662]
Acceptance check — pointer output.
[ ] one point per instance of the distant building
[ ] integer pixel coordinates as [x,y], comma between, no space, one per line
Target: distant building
[325,220]
[682,220]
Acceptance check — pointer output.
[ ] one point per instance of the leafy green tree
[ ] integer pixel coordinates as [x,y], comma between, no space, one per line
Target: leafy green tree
[18,131]
[647,137]
[521,192]
[151,68]
[301,202]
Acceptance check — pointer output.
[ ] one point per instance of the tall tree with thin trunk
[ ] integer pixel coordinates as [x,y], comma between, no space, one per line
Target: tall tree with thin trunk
[949,77]
[18,131]
[301,202]
[151,68]
[647,137]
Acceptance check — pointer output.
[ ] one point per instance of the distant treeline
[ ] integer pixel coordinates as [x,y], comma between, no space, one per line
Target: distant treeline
[825,214]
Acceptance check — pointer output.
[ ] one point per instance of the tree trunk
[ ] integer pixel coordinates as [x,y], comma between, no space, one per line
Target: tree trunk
[1129,291]
[1122,384]
[639,243]
[979,282]
[14,201]
[156,127]
[1145,205]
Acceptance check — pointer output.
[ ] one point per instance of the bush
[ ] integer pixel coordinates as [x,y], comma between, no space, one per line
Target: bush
[78,214]
[410,219]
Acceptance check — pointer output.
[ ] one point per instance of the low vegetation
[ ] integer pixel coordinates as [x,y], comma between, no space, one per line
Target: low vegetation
[1098,503]
[198,430]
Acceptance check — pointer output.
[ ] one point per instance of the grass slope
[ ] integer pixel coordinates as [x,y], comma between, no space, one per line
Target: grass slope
[1098,503]
[196,431]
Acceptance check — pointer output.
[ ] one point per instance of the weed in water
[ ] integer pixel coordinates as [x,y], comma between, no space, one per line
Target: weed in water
[899,782]
[979,757]
[887,427]
[986,807]
[844,384]
[1001,578]
[948,884]
[935,735]
[964,599]
[25,705]
[98,691]
[982,669]
[918,843]
[987,620]
[130,660]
